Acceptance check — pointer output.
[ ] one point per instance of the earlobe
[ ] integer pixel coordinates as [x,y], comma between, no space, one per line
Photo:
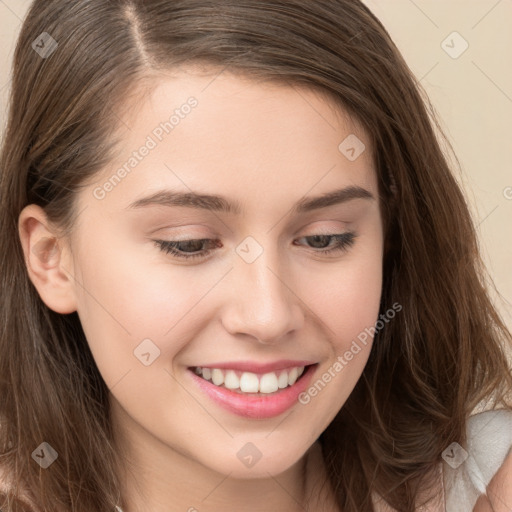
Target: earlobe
[48,260]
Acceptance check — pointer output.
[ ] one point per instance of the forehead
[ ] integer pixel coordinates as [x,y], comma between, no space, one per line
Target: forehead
[222,132]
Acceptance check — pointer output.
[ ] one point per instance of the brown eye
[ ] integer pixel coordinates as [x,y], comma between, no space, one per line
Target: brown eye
[186,248]
[342,241]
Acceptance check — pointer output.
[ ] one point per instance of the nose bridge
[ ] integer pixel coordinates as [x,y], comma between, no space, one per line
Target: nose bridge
[262,302]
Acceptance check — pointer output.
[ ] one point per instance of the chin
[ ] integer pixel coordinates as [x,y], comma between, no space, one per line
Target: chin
[250,463]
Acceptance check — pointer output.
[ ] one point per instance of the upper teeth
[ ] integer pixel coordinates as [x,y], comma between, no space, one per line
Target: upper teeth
[249,382]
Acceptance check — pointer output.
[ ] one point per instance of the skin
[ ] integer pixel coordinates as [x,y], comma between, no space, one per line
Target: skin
[266,146]
[499,490]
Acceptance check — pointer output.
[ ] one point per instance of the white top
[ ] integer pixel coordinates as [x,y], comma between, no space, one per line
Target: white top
[489,440]
[467,473]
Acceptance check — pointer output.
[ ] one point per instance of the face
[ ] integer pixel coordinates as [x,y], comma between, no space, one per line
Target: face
[276,281]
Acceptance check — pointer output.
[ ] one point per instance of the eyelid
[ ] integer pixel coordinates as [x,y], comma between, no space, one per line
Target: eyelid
[327,225]
[188,231]
[342,242]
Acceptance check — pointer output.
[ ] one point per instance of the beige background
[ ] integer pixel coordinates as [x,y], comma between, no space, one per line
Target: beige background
[471,93]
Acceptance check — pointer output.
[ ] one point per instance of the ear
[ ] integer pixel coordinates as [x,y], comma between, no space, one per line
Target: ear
[48,260]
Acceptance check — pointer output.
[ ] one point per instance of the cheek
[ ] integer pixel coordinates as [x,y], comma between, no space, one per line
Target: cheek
[346,295]
[347,301]
[125,300]
[354,304]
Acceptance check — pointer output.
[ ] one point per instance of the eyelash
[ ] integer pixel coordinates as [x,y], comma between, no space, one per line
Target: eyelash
[343,241]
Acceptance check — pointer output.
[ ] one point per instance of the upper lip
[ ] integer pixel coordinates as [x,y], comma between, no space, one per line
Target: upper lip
[251,366]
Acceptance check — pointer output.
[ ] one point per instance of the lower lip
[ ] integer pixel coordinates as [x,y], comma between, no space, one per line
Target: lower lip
[256,406]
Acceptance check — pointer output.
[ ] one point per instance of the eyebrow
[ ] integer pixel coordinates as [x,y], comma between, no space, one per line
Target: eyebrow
[222,204]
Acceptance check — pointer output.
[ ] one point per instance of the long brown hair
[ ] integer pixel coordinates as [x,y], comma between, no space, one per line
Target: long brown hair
[429,367]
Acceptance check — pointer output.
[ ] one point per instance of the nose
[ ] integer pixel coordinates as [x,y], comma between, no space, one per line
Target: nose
[262,301]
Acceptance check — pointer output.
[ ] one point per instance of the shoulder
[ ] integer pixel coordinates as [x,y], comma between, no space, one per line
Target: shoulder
[488,444]
[498,497]
[476,478]
[479,472]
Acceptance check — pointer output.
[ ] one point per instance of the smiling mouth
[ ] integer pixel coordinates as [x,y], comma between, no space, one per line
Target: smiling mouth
[249,383]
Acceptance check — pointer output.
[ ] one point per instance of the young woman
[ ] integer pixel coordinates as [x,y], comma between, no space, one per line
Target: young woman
[236,270]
